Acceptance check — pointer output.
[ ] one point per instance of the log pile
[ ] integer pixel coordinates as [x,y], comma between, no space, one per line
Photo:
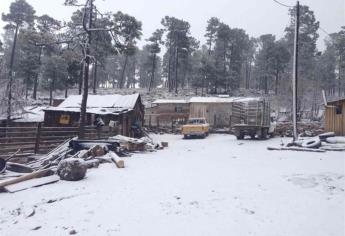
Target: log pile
[310,129]
[70,161]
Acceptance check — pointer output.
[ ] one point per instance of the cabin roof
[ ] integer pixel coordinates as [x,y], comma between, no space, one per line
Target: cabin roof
[222,99]
[337,100]
[102,101]
[170,101]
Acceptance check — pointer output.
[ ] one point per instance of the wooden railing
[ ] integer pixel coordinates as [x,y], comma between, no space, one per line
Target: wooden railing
[41,139]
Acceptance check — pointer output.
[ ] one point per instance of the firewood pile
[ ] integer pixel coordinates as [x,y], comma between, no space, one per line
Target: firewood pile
[71,160]
[309,129]
[321,143]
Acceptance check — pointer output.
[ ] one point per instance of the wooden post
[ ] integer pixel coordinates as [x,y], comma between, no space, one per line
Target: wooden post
[38,137]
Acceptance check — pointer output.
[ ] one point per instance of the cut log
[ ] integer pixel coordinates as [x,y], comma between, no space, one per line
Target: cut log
[117,160]
[294,149]
[32,183]
[92,163]
[104,159]
[33,175]
[19,168]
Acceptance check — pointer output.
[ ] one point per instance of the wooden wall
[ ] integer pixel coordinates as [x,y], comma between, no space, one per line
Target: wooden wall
[218,115]
[165,114]
[335,122]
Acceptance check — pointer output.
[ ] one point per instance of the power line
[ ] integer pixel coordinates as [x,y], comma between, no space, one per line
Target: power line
[323,30]
[282,4]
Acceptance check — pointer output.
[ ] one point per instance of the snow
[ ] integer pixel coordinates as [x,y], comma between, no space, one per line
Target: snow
[114,100]
[163,101]
[213,186]
[32,114]
[221,99]
[93,110]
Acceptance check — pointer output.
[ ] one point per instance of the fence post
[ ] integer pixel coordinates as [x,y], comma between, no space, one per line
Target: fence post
[38,137]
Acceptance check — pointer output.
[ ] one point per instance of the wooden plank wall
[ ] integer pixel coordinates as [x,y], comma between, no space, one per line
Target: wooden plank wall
[42,139]
[335,122]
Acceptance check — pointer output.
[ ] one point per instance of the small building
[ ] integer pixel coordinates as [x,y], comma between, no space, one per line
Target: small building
[218,111]
[122,112]
[167,113]
[335,116]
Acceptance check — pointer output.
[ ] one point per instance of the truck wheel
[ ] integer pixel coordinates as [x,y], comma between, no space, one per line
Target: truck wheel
[240,136]
[263,135]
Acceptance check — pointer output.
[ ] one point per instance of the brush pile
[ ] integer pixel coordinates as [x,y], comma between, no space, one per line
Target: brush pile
[70,161]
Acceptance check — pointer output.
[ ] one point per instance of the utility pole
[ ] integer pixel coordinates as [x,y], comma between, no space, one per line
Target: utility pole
[295,76]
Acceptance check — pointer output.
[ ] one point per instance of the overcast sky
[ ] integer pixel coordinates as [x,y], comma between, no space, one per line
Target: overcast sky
[257,17]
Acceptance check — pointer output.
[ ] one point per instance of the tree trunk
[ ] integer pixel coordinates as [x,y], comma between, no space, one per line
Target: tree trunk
[169,69]
[122,80]
[153,71]
[51,89]
[9,86]
[176,70]
[277,82]
[80,82]
[95,78]
[27,87]
[34,93]
[266,84]
[86,78]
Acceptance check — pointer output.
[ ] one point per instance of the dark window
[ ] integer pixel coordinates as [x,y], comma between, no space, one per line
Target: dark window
[338,110]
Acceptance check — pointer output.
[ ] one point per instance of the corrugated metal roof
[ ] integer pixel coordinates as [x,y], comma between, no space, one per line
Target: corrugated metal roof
[336,100]
[102,101]
[93,110]
[162,101]
[222,99]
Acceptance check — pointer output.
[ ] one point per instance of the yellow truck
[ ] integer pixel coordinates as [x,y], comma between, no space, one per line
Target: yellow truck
[195,127]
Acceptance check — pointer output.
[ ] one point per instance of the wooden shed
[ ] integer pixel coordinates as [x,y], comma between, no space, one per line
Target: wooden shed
[335,116]
[167,113]
[121,112]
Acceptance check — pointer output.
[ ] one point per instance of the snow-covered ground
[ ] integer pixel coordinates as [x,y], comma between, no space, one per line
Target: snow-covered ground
[214,186]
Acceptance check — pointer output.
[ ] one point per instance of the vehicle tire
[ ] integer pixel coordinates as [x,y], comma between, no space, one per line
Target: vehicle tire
[252,136]
[240,136]
[311,143]
[263,134]
[185,136]
[324,136]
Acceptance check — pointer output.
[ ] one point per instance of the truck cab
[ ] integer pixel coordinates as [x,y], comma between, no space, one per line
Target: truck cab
[197,127]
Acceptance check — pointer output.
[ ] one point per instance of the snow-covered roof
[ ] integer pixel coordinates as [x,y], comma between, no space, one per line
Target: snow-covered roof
[102,101]
[222,99]
[92,110]
[163,101]
[32,114]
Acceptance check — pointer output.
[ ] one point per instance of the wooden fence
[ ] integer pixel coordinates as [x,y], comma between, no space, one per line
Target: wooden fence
[41,139]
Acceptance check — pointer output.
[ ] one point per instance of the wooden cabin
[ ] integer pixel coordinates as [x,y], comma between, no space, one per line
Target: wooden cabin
[167,113]
[121,112]
[335,117]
